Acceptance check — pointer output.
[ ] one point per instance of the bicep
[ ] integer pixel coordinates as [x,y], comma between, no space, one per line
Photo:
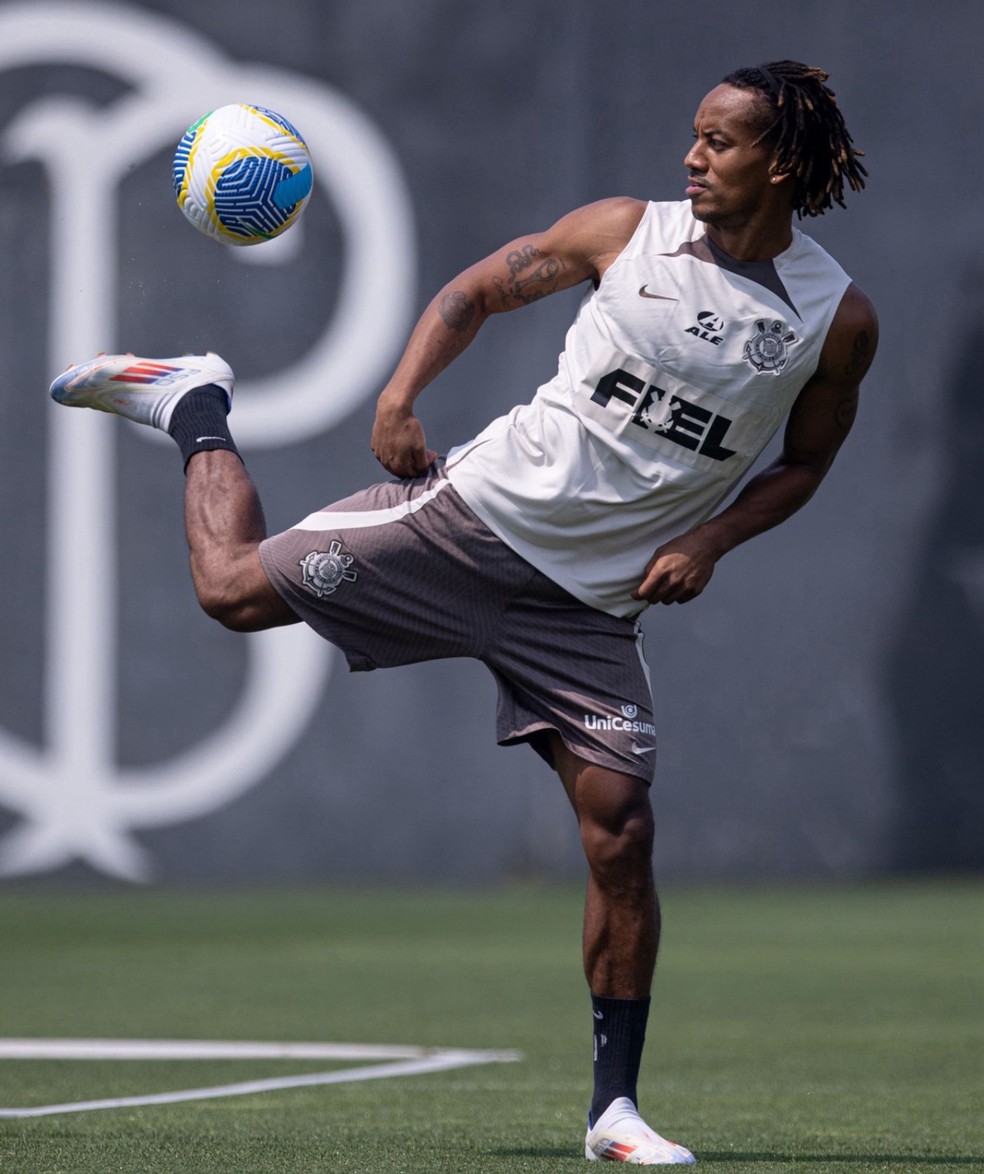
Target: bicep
[527,270]
[819,423]
[575,249]
[826,407]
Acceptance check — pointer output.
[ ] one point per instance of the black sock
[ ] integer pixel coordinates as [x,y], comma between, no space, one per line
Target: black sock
[619,1035]
[199,423]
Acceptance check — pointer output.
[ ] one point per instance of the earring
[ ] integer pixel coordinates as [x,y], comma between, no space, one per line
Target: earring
[775,179]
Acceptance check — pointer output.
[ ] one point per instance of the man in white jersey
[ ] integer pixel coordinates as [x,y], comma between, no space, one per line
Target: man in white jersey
[706,325]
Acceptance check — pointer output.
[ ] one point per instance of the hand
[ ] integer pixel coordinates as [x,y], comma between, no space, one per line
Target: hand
[398,442]
[678,571]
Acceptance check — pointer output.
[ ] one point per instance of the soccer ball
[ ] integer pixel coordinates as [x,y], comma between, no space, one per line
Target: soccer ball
[242,174]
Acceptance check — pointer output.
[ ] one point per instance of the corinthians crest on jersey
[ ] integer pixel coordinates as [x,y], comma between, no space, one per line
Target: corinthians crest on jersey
[768,348]
[323,571]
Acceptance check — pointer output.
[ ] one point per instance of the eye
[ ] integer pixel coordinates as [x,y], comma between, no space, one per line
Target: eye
[712,141]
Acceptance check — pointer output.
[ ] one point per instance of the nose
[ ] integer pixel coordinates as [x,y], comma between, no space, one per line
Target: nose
[694,159]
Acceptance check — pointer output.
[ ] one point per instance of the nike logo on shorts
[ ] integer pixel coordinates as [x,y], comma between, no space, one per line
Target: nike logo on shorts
[644,293]
[643,749]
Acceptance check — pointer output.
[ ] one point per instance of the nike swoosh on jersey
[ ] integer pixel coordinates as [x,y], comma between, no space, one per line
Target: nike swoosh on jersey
[643,293]
[643,749]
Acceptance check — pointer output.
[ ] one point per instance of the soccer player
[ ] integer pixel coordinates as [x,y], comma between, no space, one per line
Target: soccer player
[706,325]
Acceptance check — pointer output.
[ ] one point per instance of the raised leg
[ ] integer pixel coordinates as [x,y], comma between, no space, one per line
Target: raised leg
[189,397]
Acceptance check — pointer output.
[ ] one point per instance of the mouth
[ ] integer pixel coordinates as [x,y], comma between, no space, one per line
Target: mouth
[695,186]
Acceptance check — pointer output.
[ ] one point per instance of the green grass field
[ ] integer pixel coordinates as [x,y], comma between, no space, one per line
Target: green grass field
[830,1029]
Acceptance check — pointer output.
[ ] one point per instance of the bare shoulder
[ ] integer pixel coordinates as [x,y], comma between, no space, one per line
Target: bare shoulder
[578,247]
[856,310]
[598,231]
[619,215]
[853,337]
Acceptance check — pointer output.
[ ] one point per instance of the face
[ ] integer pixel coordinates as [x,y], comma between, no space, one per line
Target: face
[730,176]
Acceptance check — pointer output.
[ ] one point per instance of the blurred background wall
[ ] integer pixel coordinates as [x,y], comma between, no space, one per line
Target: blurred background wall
[819,706]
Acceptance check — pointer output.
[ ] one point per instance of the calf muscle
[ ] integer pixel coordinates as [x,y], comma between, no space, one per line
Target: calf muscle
[224,526]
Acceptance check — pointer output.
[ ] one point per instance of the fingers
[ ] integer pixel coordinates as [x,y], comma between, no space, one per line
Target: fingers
[410,464]
[664,593]
[673,579]
[398,443]
[404,460]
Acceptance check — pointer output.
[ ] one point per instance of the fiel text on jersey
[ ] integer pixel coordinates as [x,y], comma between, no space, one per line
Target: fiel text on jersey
[658,411]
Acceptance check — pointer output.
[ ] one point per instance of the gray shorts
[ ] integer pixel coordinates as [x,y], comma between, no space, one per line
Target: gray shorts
[405,572]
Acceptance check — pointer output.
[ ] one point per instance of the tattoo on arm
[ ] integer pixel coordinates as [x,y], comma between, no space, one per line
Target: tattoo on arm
[858,361]
[457,311]
[541,277]
[520,259]
[847,409]
[856,366]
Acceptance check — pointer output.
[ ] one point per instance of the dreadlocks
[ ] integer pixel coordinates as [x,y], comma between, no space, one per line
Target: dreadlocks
[803,120]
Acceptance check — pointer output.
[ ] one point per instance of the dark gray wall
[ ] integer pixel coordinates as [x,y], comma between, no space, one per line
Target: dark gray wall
[819,705]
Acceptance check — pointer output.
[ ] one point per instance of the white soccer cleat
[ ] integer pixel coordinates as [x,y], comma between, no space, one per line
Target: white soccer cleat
[621,1135]
[144,390]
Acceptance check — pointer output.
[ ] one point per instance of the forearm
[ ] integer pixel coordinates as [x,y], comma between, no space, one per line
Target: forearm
[444,330]
[681,569]
[768,499]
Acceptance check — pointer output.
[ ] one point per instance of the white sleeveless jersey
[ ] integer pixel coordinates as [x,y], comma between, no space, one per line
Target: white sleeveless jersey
[677,371]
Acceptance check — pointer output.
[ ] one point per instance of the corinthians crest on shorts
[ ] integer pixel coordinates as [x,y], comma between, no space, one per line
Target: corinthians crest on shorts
[767,349]
[323,571]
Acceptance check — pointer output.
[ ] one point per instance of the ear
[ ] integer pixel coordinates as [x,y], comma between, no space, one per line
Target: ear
[779,176]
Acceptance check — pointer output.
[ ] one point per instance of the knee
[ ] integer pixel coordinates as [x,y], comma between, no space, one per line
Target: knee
[228,604]
[619,845]
[239,596]
[226,610]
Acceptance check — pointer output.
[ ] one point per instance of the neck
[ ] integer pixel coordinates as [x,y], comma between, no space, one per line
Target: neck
[752,242]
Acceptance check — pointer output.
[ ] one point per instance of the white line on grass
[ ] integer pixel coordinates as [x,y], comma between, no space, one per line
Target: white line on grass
[405,1061]
[199,1049]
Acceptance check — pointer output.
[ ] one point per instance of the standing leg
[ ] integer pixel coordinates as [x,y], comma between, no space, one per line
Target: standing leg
[621,916]
[621,940]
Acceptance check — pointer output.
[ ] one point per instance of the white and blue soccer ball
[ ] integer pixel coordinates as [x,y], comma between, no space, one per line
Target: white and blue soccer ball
[242,174]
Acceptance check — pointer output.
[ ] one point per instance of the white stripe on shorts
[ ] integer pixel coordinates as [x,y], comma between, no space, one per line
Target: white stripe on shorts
[640,649]
[358,519]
